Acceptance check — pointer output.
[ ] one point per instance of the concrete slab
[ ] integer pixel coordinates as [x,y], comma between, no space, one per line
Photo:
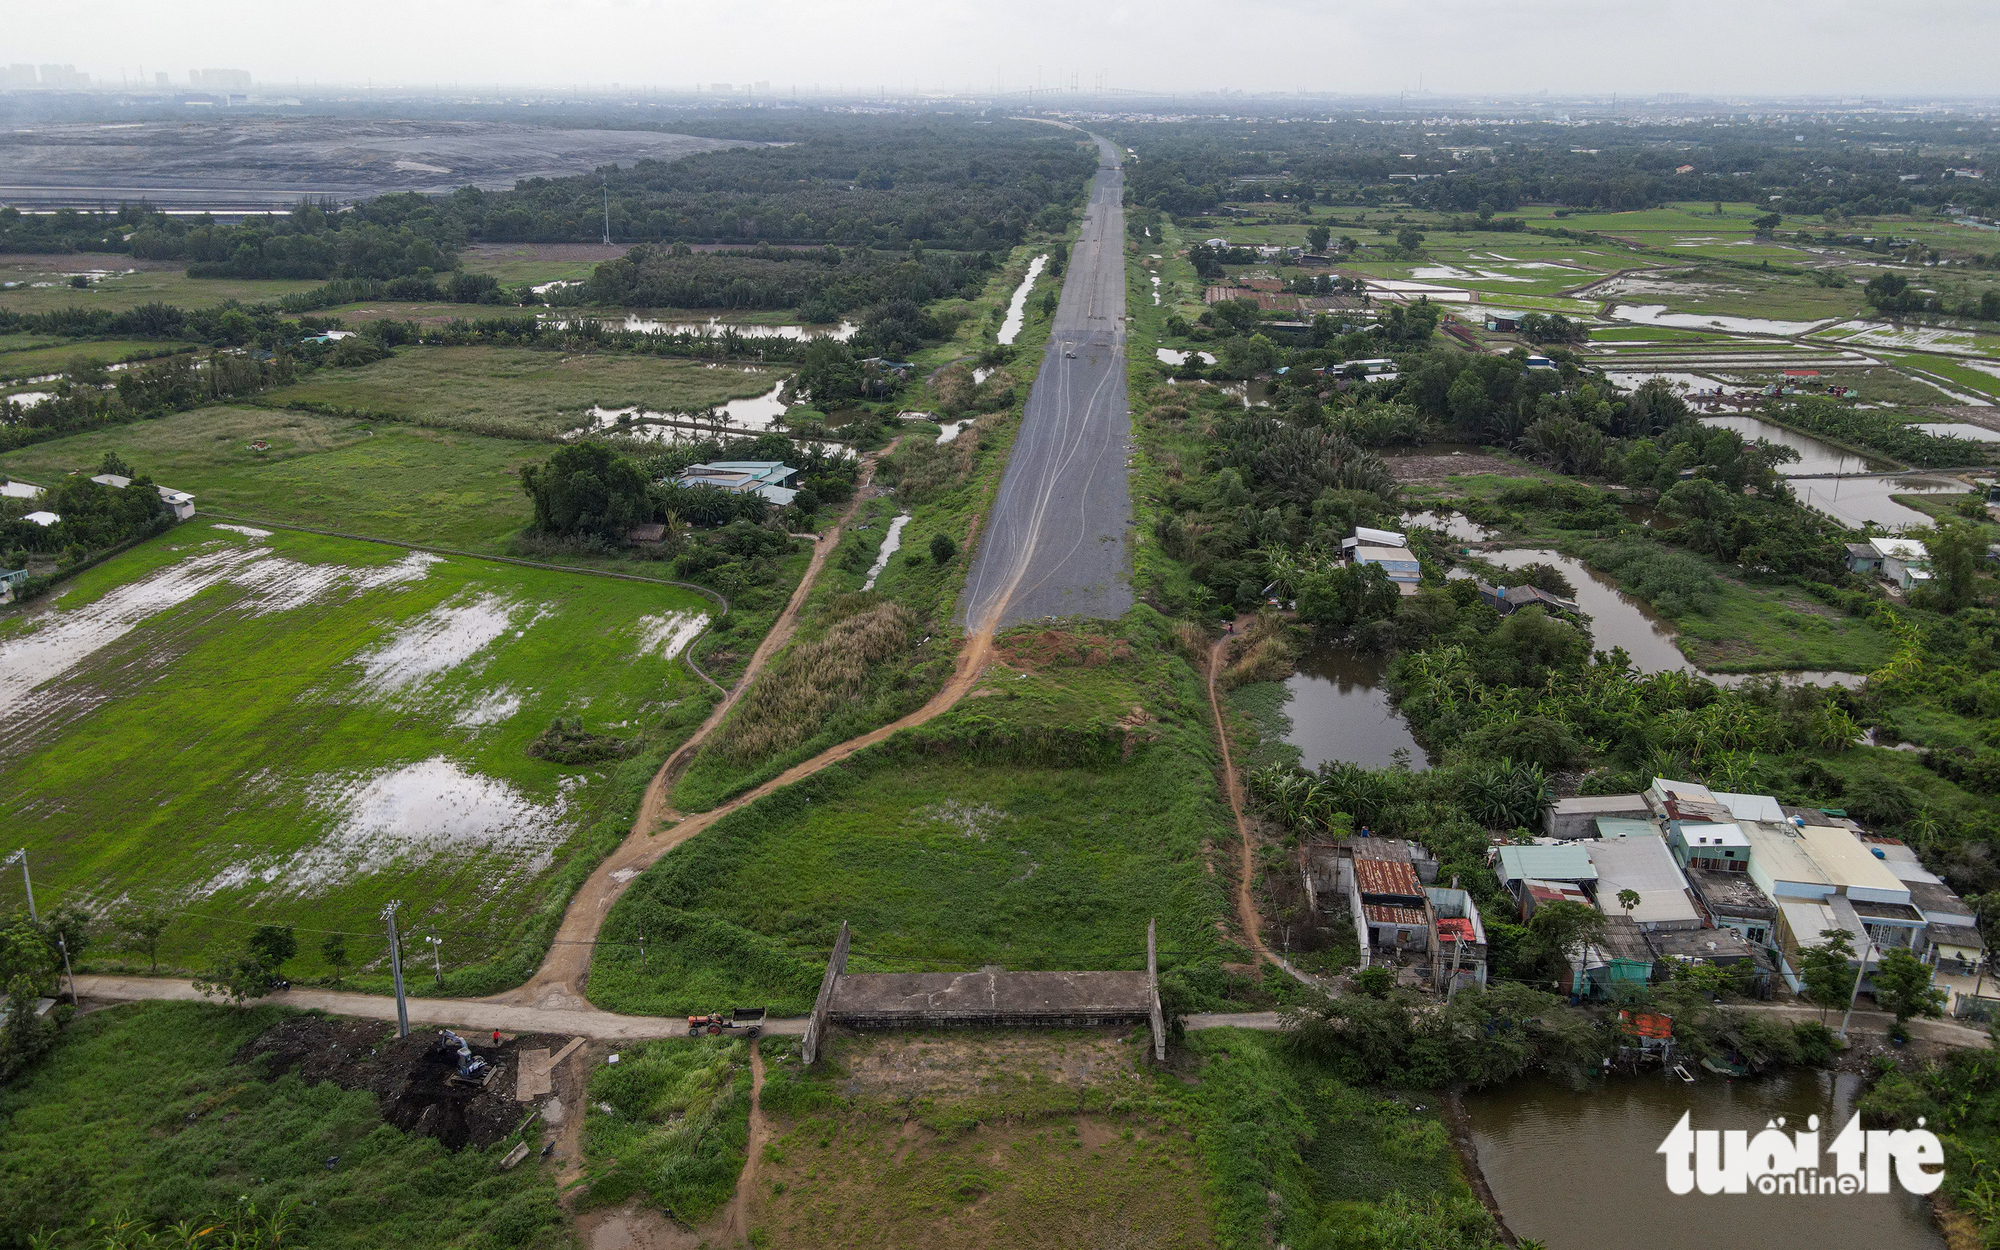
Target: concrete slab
[1031,999]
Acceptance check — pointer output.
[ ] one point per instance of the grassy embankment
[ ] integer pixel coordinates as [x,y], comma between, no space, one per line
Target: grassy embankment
[1065,1139]
[862,660]
[142,1113]
[1040,824]
[313,726]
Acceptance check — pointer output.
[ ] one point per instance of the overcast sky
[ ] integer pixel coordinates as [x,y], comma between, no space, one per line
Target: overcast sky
[1635,47]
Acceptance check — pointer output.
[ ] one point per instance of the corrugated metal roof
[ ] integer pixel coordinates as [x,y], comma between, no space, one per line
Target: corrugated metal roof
[1569,862]
[1387,876]
[1377,913]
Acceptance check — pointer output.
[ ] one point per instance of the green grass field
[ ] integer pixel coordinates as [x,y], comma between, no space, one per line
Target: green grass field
[534,263]
[142,1112]
[38,356]
[42,285]
[296,729]
[1039,824]
[420,485]
[519,391]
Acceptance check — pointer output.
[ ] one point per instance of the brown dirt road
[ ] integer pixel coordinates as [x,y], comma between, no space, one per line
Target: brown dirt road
[559,982]
[653,807]
[1247,914]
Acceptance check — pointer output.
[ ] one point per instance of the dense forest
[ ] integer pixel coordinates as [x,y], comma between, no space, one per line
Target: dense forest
[1798,168]
[955,183]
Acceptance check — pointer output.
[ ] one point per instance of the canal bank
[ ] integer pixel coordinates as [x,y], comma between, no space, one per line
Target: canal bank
[1581,1170]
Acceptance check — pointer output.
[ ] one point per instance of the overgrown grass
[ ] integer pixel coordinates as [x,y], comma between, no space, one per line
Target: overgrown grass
[141,1111]
[519,391]
[128,290]
[946,488]
[296,729]
[670,1121]
[1040,824]
[29,361]
[788,705]
[429,486]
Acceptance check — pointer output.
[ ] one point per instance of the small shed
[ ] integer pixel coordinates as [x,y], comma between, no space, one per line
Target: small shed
[42,518]
[1568,862]
[1575,817]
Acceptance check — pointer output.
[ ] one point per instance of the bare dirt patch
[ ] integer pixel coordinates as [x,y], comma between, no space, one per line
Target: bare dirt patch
[898,1067]
[1029,651]
[1431,468]
[409,1076]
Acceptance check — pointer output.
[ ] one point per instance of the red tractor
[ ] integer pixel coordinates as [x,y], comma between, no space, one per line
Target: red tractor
[749,1021]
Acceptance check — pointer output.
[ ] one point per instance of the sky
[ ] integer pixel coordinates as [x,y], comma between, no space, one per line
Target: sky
[1448,47]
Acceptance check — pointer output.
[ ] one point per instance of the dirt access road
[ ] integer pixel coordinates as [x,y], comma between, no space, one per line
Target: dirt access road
[1067,469]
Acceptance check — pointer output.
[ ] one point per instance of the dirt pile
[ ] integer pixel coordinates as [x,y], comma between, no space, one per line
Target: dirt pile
[411,1077]
[1047,648]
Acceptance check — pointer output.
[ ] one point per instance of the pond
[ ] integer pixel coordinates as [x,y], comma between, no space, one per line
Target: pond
[1017,308]
[1616,618]
[1579,1171]
[1339,710]
[1169,356]
[1816,456]
[1958,429]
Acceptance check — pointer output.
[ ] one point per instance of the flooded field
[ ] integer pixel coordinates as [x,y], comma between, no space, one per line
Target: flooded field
[753,415]
[1532,1139]
[1657,315]
[1339,710]
[715,328]
[1168,356]
[299,727]
[1855,501]
[1958,429]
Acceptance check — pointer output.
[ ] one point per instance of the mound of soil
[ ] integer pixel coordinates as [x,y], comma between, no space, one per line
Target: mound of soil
[1053,648]
[411,1077]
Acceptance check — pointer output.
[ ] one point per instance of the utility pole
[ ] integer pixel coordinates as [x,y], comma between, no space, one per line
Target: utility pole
[437,968]
[26,880]
[607,212]
[396,968]
[1855,993]
[642,949]
[70,972]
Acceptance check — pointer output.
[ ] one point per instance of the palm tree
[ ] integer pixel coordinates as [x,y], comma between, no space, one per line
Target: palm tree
[1628,899]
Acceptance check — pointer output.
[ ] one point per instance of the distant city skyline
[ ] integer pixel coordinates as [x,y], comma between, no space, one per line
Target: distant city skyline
[1923,48]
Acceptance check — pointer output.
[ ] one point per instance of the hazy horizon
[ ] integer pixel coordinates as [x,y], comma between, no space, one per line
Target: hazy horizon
[1568,48]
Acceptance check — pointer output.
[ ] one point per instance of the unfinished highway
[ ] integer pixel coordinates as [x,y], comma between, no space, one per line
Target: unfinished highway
[1056,543]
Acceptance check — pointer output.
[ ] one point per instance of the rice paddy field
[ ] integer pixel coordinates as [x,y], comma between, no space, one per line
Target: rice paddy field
[250,727]
[430,486]
[519,392]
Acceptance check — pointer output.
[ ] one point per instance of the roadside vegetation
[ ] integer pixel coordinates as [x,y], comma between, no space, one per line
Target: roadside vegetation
[145,1119]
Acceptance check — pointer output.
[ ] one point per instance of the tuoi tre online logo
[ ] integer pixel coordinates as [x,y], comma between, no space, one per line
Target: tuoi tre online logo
[1858,1161]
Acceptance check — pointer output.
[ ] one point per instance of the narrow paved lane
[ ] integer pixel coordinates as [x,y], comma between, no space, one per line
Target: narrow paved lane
[1055,544]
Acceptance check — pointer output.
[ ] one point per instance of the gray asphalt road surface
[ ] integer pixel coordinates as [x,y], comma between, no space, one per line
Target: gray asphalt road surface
[1056,543]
